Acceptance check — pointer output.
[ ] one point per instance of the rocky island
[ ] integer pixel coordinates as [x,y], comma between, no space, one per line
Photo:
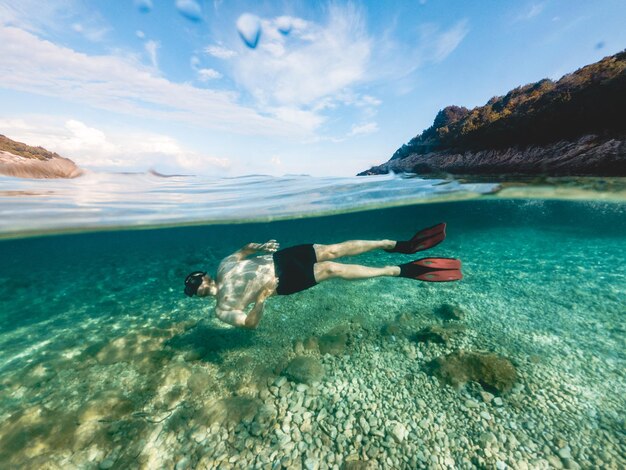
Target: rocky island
[23,161]
[575,126]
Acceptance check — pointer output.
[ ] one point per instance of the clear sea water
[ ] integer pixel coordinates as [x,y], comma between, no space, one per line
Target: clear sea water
[104,363]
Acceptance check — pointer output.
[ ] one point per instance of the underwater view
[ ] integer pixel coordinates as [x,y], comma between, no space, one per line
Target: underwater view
[312,235]
[105,363]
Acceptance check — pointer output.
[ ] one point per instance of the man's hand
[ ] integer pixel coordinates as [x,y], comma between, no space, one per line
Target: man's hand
[252,248]
[270,246]
[255,315]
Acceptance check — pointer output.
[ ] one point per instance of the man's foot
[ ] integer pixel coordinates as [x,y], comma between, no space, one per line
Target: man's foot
[422,240]
[432,270]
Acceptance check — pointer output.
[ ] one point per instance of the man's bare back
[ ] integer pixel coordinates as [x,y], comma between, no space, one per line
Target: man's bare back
[242,281]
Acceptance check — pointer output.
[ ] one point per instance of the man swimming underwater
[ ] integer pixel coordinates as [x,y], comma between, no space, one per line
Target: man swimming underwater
[243,280]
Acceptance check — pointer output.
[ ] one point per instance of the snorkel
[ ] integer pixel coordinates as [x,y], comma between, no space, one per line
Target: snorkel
[193,282]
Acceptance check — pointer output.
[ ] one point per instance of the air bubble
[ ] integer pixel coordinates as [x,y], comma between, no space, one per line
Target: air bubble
[144,6]
[249,27]
[190,9]
[283,24]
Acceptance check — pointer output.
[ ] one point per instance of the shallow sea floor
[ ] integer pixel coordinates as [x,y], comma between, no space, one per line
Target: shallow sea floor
[104,363]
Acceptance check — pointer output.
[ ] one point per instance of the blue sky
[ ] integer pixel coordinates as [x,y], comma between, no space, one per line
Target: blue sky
[329,88]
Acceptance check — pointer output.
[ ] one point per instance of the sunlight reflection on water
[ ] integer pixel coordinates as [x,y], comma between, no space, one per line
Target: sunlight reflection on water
[99,200]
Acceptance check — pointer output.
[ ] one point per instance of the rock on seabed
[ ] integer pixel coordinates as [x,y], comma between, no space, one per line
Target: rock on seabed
[304,369]
[437,334]
[334,342]
[495,373]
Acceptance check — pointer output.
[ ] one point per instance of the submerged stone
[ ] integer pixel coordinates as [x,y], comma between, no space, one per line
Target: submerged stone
[311,343]
[298,347]
[437,334]
[193,355]
[263,420]
[359,465]
[334,342]
[304,369]
[235,410]
[391,329]
[494,373]
[451,312]
[398,432]
[199,382]
[404,318]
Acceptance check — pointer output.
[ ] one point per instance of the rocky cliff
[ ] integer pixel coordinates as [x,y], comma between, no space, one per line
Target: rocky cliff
[575,126]
[23,161]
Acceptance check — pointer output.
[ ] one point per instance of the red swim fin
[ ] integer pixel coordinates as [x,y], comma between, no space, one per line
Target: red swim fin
[432,270]
[438,263]
[422,240]
[441,276]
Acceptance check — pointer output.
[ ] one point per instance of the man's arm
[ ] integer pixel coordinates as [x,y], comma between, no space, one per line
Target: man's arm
[232,317]
[252,248]
[240,319]
[255,315]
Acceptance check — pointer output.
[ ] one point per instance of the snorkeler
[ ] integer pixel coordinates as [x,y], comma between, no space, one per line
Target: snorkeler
[242,281]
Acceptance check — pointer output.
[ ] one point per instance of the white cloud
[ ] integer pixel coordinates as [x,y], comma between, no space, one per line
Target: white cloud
[396,62]
[93,33]
[367,100]
[437,45]
[204,75]
[140,34]
[300,73]
[220,52]
[122,85]
[21,14]
[309,120]
[122,150]
[151,49]
[311,63]
[367,128]
[534,10]
[54,16]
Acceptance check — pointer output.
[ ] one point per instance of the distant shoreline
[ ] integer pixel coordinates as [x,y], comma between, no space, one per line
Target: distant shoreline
[24,161]
[23,167]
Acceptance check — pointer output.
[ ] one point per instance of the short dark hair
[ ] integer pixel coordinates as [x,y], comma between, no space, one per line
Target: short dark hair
[193,282]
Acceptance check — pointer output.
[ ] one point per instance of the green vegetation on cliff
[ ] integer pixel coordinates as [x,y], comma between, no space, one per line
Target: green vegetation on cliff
[26,151]
[591,100]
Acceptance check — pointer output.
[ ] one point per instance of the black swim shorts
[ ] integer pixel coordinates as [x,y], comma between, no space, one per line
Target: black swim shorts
[294,268]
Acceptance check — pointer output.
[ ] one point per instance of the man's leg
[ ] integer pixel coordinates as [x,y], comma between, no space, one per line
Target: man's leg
[329,270]
[351,248]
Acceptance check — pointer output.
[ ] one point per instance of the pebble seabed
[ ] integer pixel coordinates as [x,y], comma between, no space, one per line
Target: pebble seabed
[370,405]
[156,386]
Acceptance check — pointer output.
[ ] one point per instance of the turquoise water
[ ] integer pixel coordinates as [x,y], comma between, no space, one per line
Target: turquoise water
[104,363]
